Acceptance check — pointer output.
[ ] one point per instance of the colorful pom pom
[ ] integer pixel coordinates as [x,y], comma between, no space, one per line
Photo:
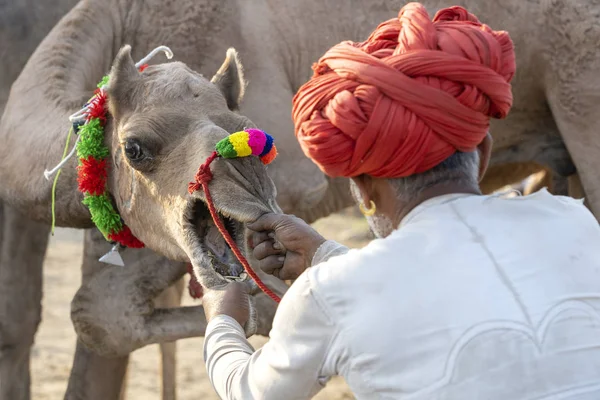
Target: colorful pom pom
[92,175]
[239,141]
[96,107]
[93,171]
[268,146]
[126,238]
[256,140]
[248,142]
[103,213]
[270,156]
[103,82]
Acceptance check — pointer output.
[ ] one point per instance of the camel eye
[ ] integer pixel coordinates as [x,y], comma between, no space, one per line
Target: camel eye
[133,150]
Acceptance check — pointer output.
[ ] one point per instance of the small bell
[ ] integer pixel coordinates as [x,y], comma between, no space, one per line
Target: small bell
[113,257]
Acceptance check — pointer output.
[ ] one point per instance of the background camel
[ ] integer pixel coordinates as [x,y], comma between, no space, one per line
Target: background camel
[551,87]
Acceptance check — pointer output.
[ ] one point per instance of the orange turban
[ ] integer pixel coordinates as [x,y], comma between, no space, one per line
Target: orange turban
[416,91]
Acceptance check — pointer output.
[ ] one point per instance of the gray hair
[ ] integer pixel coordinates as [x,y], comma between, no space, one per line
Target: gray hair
[462,168]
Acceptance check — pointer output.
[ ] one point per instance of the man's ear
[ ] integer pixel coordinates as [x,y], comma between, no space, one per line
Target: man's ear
[364,183]
[230,80]
[123,78]
[485,153]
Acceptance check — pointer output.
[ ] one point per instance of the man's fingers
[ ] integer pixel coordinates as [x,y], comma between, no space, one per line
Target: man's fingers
[271,263]
[267,222]
[257,238]
[266,249]
[294,267]
[285,274]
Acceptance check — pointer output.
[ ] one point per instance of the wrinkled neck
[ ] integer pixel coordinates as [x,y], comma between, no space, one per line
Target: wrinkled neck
[403,209]
[79,52]
[198,31]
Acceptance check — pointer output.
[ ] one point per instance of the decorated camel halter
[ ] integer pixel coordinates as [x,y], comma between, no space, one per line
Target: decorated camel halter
[92,172]
[240,144]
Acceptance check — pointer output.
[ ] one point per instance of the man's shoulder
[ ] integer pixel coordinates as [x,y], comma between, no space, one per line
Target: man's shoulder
[538,206]
[358,265]
[551,205]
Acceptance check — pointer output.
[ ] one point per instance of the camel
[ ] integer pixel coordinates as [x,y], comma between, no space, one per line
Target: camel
[191,232]
[551,123]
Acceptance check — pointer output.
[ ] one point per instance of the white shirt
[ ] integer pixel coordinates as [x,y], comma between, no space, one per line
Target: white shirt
[473,297]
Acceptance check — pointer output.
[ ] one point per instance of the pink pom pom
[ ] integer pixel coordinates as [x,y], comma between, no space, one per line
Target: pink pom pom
[256,140]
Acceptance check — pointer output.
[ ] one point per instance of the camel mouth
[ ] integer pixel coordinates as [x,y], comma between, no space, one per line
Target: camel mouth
[215,251]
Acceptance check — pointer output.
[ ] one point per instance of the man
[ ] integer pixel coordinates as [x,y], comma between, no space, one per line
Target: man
[463,296]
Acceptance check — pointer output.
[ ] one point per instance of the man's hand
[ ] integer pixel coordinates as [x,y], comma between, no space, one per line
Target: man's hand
[283,244]
[232,299]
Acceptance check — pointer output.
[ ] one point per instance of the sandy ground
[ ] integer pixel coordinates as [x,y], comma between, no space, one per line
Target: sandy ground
[55,340]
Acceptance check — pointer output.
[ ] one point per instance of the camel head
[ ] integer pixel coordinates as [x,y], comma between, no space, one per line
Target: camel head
[166,121]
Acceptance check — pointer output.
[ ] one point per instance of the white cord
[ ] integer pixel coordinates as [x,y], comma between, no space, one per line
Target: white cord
[78,116]
[154,52]
[49,174]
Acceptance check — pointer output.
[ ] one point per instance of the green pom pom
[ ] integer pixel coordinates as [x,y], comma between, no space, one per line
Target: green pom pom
[104,214]
[103,81]
[225,149]
[91,142]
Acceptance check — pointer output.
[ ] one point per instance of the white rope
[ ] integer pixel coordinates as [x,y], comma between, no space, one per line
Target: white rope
[49,174]
[154,52]
[81,115]
[78,116]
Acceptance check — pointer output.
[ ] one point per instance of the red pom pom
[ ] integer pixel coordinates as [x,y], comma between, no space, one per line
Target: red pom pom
[91,176]
[143,67]
[270,156]
[97,107]
[126,238]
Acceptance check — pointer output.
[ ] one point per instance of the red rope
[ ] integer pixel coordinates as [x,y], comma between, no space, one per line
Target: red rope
[203,177]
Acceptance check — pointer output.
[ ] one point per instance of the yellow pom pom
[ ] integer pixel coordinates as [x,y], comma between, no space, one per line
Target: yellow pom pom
[239,141]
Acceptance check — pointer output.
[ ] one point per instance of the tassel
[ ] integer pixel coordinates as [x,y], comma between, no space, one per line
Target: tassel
[113,257]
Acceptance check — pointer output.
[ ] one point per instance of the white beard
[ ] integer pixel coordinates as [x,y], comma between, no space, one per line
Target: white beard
[381,225]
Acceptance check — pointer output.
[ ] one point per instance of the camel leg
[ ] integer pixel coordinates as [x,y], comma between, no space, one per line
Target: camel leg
[22,248]
[112,382]
[575,188]
[573,94]
[94,377]
[170,298]
[168,354]
[560,185]
[114,313]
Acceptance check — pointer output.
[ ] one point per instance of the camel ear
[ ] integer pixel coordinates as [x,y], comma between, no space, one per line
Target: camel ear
[230,80]
[123,78]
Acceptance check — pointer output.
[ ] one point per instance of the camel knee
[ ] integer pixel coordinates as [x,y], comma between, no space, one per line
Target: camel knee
[90,316]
